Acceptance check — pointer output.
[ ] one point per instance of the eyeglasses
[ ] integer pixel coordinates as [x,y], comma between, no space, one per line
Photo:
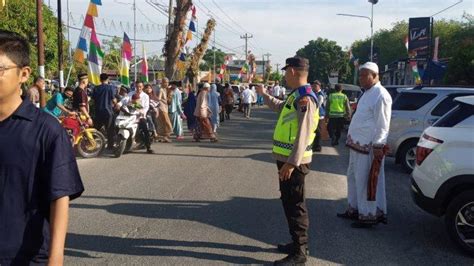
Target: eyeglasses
[3,69]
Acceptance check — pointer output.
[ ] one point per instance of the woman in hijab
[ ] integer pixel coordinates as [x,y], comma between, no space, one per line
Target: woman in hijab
[152,115]
[176,112]
[189,107]
[164,123]
[214,105]
[203,114]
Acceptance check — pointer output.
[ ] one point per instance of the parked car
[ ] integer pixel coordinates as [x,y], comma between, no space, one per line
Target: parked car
[394,90]
[412,112]
[443,179]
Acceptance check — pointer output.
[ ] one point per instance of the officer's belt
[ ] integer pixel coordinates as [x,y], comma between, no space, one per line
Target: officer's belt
[289,146]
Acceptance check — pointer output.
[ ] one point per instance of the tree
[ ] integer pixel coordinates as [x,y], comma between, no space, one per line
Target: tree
[461,67]
[274,76]
[113,57]
[209,59]
[173,44]
[324,57]
[198,51]
[20,16]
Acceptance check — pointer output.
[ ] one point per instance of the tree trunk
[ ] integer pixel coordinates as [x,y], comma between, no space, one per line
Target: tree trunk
[172,45]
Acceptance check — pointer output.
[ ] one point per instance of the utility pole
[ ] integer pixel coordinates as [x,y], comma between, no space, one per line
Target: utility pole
[264,63]
[60,47]
[278,69]
[246,37]
[40,45]
[214,66]
[135,39]
[168,30]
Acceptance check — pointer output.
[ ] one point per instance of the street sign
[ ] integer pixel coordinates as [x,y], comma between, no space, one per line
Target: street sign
[419,38]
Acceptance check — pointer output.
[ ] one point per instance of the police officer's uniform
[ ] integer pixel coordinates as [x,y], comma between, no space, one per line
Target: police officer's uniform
[292,143]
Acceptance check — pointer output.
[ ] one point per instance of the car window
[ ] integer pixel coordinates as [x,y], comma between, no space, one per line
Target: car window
[412,101]
[459,114]
[447,104]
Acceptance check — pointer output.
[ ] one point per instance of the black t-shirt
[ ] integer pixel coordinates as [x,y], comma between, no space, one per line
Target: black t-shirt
[37,166]
[80,99]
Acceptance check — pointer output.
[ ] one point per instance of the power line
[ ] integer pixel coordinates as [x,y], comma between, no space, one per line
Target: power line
[230,18]
[112,36]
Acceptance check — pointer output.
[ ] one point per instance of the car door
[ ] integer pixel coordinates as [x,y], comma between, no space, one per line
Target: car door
[443,106]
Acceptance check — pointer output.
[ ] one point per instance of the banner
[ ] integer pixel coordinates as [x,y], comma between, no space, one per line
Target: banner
[419,38]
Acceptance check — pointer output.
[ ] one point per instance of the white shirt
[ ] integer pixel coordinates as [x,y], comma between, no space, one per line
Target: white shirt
[371,122]
[144,102]
[276,91]
[247,96]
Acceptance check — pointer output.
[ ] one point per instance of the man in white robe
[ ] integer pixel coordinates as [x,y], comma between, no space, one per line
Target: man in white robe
[366,139]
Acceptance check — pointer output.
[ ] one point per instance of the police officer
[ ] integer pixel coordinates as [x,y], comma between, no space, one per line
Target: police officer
[339,110]
[292,141]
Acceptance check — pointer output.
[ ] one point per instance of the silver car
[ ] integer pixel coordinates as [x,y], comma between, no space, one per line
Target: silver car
[412,112]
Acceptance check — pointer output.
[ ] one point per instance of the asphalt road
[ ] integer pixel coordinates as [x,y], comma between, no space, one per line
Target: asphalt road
[218,203]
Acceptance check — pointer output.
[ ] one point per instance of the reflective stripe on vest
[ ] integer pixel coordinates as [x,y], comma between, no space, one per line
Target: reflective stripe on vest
[286,129]
[337,104]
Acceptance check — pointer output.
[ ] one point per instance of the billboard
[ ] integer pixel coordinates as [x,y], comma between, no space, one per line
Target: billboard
[419,38]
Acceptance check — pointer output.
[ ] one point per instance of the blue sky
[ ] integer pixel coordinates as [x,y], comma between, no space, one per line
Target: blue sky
[279,27]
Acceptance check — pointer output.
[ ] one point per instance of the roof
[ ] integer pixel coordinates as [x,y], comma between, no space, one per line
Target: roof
[466,99]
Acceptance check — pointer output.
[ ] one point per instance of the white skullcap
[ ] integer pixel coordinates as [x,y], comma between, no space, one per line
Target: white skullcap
[206,85]
[370,66]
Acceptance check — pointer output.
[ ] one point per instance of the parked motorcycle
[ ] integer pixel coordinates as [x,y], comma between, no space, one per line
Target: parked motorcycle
[127,125]
[89,142]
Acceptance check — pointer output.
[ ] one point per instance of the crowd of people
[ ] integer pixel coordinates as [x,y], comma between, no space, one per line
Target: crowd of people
[162,108]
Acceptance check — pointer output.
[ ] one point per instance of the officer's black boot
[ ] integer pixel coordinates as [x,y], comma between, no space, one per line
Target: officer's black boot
[288,248]
[297,257]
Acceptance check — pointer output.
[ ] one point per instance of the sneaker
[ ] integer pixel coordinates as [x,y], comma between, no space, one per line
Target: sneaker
[289,248]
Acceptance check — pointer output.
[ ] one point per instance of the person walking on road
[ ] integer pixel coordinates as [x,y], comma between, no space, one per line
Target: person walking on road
[228,101]
[104,101]
[189,107]
[164,123]
[176,112]
[292,140]
[215,106]
[316,86]
[367,139]
[339,110]
[247,101]
[38,169]
[203,114]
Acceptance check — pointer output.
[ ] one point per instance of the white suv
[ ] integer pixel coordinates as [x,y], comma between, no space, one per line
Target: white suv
[443,179]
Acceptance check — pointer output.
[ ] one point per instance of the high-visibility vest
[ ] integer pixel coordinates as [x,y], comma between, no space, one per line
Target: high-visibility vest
[286,129]
[337,104]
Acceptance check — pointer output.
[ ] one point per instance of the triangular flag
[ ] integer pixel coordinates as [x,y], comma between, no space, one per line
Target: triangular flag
[192,26]
[97,2]
[89,21]
[144,67]
[193,9]
[189,36]
[92,10]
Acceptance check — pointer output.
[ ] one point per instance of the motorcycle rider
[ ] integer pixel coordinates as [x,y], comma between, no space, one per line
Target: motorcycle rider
[142,98]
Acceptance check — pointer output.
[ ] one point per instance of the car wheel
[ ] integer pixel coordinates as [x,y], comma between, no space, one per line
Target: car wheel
[408,155]
[459,220]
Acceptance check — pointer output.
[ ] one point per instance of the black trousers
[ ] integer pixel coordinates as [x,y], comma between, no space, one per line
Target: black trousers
[144,132]
[317,139]
[335,126]
[294,204]
[106,120]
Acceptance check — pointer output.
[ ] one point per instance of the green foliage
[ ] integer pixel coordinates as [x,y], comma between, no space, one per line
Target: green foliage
[113,57]
[461,66]
[20,16]
[274,76]
[324,57]
[209,59]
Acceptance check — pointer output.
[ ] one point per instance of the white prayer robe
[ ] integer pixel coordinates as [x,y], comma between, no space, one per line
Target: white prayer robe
[369,126]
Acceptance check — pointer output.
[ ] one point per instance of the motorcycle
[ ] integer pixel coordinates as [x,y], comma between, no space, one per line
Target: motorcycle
[89,142]
[127,125]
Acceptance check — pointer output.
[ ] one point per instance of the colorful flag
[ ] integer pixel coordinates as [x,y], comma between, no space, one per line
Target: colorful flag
[95,58]
[92,10]
[416,74]
[193,10]
[126,58]
[144,67]
[97,2]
